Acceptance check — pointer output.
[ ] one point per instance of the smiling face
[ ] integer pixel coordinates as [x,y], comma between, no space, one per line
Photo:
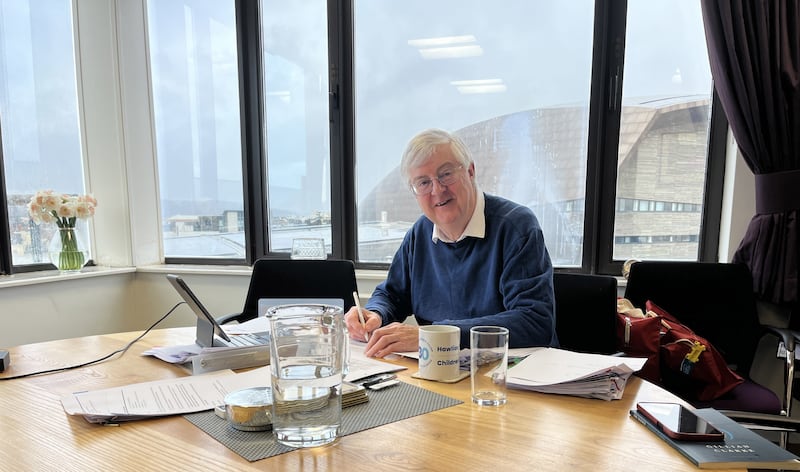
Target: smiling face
[450,207]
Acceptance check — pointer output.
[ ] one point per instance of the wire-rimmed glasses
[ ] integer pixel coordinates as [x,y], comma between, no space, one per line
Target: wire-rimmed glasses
[447,176]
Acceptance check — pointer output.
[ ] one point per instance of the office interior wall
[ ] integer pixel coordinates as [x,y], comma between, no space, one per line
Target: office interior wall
[738,201]
[119,303]
[65,309]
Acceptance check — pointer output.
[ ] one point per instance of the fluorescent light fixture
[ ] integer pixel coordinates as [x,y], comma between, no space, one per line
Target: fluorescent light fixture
[451,52]
[447,47]
[441,41]
[468,87]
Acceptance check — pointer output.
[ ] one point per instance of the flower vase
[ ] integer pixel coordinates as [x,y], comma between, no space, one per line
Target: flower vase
[69,249]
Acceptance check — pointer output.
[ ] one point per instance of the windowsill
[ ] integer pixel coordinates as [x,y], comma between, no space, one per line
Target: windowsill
[32,278]
[50,276]
[183,269]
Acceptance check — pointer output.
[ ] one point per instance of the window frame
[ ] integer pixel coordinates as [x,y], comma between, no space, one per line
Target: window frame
[5,231]
[603,135]
[604,119]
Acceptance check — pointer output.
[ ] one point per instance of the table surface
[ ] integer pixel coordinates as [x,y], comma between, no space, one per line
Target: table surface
[533,431]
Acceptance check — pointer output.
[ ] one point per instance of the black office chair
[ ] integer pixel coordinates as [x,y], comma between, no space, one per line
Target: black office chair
[717,302]
[586,308]
[290,278]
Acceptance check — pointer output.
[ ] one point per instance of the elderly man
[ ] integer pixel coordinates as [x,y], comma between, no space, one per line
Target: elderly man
[472,259]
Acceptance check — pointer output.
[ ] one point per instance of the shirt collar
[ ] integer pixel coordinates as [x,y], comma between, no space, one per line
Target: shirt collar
[476,227]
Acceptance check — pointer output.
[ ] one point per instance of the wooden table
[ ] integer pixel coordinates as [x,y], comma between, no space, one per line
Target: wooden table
[532,432]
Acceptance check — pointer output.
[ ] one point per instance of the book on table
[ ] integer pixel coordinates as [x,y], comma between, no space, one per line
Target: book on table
[742,448]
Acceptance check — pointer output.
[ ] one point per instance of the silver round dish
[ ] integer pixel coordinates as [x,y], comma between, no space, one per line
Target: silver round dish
[249,409]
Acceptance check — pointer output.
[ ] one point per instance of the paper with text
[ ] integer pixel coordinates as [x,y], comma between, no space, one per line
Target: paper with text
[162,397]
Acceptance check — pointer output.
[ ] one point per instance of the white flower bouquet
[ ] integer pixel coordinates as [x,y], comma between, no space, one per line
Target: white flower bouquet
[64,210]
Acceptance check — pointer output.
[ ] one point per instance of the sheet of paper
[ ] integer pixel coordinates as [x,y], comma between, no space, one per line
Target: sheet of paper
[550,370]
[547,366]
[259,324]
[162,397]
[185,353]
[362,366]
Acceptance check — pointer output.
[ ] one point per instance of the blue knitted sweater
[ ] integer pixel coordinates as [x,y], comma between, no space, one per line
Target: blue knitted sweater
[504,279]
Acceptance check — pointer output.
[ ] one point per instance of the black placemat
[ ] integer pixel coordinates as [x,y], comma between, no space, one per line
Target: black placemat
[384,406]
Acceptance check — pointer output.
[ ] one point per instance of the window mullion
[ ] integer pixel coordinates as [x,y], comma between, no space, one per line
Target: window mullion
[342,126]
[254,178]
[610,23]
[5,235]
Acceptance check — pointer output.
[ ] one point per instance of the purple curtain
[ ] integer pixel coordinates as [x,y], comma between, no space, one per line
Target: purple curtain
[754,49]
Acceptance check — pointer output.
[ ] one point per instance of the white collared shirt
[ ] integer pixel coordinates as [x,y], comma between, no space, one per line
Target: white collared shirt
[475,228]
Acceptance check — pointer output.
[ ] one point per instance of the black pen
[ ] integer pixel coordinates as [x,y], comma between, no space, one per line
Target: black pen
[376,379]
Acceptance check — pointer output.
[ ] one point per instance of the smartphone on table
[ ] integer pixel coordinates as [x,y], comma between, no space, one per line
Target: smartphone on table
[679,422]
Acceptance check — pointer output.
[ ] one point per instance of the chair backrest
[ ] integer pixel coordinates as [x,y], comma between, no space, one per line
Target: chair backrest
[291,278]
[715,300]
[586,307]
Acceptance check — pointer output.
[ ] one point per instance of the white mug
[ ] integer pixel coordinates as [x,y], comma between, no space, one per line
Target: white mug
[439,347]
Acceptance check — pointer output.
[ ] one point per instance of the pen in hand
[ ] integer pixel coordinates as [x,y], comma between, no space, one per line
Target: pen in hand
[361,316]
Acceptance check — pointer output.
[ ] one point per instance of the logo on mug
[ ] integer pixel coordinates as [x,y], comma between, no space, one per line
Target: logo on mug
[424,353]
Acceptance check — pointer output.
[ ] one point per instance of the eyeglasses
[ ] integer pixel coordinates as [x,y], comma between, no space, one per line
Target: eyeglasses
[424,185]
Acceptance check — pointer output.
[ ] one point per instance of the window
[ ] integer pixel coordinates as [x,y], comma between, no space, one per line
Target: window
[196,91]
[298,149]
[664,130]
[195,85]
[511,78]
[41,141]
[275,120]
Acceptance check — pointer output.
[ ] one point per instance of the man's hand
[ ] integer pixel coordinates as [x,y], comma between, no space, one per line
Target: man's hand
[395,337]
[372,321]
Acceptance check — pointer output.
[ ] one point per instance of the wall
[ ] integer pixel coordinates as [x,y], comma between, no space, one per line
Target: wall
[67,306]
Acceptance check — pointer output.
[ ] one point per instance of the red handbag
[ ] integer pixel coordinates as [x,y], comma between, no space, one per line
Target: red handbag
[689,363]
[639,335]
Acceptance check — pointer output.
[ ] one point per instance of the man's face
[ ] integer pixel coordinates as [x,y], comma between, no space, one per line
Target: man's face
[448,206]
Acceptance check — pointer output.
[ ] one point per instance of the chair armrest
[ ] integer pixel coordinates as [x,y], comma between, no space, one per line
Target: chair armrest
[788,336]
[764,420]
[237,317]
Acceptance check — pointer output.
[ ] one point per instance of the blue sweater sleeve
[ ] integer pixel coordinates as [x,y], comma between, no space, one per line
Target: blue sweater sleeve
[392,297]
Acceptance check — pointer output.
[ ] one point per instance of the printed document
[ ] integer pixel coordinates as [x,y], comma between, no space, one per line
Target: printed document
[162,397]
[551,370]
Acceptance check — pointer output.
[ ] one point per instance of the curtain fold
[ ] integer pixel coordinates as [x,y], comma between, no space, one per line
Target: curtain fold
[754,51]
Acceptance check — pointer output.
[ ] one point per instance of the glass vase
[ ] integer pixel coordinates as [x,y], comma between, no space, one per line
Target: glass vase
[69,249]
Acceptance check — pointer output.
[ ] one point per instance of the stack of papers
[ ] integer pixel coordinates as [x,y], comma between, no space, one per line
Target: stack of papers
[551,370]
[162,397]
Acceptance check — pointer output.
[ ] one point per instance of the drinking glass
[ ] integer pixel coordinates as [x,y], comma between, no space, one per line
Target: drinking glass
[488,364]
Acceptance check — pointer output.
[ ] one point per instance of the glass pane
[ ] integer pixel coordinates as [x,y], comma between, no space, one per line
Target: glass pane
[39,113]
[195,84]
[511,78]
[295,58]
[663,140]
